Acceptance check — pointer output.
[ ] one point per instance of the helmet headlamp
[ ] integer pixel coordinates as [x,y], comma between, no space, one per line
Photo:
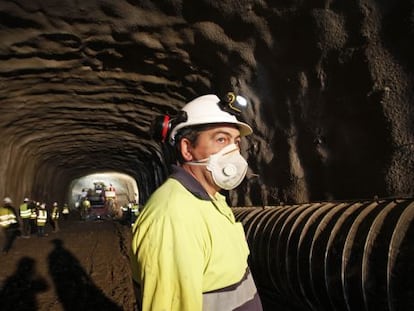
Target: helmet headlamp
[233,104]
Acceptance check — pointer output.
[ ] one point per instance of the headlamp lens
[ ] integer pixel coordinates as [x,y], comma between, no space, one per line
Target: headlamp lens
[233,104]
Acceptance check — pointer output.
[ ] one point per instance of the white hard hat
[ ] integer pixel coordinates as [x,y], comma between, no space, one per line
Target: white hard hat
[26,200]
[7,200]
[206,110]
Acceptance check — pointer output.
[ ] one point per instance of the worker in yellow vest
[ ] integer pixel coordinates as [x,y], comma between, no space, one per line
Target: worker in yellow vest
[85,209]
[25,216]
[188,251]
[65,211]
[34,206]
[55,217]
[41,220]
[9,223]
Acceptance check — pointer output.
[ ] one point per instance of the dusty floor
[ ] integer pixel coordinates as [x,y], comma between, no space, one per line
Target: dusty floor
[84,266]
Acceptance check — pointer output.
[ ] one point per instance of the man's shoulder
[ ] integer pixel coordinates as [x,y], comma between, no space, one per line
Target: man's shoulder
[169,189]
[169,196]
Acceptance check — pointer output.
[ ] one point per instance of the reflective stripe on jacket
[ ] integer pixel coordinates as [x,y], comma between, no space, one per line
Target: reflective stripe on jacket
[7,217]
[25,211]
[41,217]
[55,213]
[240,296]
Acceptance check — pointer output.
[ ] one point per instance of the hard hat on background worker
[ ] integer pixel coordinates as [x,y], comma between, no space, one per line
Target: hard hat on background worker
[7,200]
[206,109]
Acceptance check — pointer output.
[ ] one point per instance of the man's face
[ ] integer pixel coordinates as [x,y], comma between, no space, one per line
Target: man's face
[209,142]
[213,140]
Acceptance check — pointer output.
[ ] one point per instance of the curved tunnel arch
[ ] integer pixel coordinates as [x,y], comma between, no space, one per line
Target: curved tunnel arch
[53,183]
[82,84]
[47,173]
[125,185]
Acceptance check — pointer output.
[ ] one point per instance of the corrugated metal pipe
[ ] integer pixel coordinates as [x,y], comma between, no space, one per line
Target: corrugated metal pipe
[333,255]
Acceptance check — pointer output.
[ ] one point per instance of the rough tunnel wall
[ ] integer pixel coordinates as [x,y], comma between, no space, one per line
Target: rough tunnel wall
[20,171]
[330,91]
[330,83]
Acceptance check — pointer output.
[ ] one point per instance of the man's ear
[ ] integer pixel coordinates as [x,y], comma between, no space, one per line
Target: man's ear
[186,150]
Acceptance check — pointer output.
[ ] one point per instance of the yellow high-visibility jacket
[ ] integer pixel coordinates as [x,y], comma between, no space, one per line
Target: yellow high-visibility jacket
[7,217]
[186,246]
[25,211]
[55,213]
[41,218]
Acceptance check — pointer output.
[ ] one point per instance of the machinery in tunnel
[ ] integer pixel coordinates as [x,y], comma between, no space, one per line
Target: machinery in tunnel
[326,256]
[104,201]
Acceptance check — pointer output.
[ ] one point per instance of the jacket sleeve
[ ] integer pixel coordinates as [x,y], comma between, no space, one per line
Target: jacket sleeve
[171,261]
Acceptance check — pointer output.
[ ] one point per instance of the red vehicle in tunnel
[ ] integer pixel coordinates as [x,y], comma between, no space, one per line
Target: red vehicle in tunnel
[97,199]
[103,202]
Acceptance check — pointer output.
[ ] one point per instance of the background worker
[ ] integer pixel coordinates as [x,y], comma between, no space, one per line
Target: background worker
[55,214]
[9,223]
[65,211]
[126,213]
[25,212]
[188,252]
[41,220]
[134,211]
[85,208]
[34,206]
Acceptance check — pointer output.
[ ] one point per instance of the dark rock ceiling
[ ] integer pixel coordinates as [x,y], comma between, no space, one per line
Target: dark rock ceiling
[331,85]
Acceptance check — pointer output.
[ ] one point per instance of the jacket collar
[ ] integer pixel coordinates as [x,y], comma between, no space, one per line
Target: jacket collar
[190,183]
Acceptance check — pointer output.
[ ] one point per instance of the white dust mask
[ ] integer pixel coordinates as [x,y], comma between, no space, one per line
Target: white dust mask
[227,167]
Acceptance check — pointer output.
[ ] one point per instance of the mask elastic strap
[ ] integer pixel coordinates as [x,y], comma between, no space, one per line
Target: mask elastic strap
[199,162]
[205,161]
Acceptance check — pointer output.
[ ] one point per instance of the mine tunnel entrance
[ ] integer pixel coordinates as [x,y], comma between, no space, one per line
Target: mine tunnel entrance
[124,186]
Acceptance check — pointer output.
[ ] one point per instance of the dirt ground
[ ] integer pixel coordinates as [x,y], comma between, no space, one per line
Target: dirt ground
[84,266]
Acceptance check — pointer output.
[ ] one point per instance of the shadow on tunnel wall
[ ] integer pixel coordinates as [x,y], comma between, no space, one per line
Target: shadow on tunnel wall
[74,287]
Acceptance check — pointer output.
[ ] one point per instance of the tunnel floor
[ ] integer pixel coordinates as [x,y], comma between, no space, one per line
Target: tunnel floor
[84,266]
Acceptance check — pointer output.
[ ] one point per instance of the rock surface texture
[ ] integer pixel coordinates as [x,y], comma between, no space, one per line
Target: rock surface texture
[330,83]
